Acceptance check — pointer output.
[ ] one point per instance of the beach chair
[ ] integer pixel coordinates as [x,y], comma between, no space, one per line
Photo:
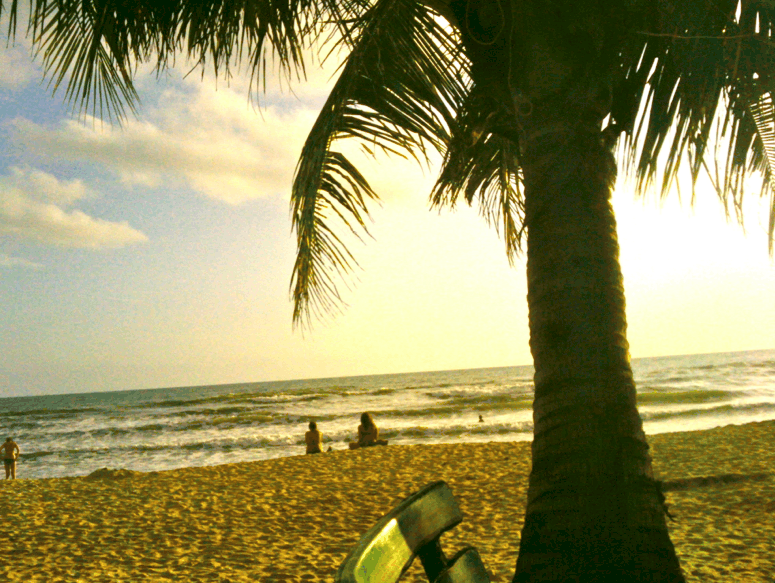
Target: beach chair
[413,529]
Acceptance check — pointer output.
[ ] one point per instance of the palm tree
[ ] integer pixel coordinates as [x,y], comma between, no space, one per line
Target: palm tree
[527,101]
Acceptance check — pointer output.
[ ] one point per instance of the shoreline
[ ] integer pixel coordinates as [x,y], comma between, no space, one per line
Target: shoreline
[293,519]
[695,425]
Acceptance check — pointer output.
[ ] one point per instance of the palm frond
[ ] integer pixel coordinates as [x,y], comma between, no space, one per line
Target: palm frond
[698,65]
[763,112]
[341,195]
[483,164]
[82,49]
[675,64]
[92,47]
[397,91]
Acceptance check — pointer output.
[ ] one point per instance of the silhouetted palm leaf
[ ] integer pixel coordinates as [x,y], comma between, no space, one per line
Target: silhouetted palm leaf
[91,47]
[483,165]
[698,65]
[763,112]
[398,91]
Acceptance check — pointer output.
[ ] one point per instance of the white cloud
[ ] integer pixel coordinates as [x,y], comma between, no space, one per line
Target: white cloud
[17,68]
[31,204]
[206,136]
[6,261]
[213,141]
[44,187]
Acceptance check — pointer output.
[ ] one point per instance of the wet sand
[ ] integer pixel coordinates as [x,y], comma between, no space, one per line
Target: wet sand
[294,519]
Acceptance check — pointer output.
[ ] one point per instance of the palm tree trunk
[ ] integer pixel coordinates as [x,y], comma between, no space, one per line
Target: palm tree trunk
[594,511]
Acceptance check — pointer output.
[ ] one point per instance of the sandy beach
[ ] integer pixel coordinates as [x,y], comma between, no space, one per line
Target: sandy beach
[294,519]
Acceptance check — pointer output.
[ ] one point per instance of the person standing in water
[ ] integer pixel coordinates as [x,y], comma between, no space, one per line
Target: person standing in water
[10,453]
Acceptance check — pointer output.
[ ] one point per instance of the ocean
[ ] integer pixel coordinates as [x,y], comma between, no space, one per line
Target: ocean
[162,429]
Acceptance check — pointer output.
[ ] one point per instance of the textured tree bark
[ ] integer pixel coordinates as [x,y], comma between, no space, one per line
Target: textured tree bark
[594,512]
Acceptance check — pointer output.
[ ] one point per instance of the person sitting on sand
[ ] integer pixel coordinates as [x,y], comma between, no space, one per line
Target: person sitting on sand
[313,437]
[10,454]
[368,434]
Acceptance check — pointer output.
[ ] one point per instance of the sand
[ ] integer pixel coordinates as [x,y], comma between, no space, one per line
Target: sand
[294,519]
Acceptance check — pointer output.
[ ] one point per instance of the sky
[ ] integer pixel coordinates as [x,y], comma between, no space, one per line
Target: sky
[159,253]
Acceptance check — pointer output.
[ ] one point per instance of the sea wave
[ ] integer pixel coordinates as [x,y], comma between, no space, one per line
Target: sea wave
[656,396]
[457,431]
[719,411]
[67,413]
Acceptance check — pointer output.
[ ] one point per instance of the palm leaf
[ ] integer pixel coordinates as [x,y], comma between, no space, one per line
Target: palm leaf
[397,91]
[482,163]
[79,48]
[763,113]
[92,47]
[699,66]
